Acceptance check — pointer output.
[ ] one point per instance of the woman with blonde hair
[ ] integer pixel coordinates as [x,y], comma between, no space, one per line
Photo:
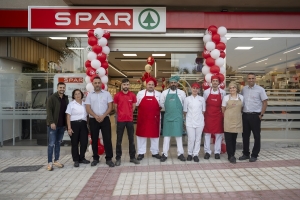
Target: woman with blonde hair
[232,106]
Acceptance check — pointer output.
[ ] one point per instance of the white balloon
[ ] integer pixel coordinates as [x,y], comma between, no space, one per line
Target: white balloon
[105,87]
[224,40]
[205,69]
[222,31]
[87,79]
[89,87]
[106,50]
[208,77]
[96,64]
[210,46]
[98,32]
[215,53]
[102,41]
[100,71]
[219,62]
[207,38]
[206,31]
[92,56]
[222,70]
[89,48]
[104,79]
[148,68]
[90,149]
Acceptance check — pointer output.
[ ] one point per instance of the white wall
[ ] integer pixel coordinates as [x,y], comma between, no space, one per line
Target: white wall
[23,4]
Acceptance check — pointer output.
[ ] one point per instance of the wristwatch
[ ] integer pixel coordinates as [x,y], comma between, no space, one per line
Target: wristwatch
[262,115]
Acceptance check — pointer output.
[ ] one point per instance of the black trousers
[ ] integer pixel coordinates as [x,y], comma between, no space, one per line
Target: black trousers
[251,122]
[230,139]
[130,132]
[80,134]
[105,128]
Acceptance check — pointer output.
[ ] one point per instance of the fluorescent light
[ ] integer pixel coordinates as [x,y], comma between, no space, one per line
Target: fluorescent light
[75,48]
[135,60]
[291,50]
[129,54]
[117,70]
[155,54]
[243,48]
[58,38]
[242,67]
[258,38]
[154,69]
[262,60]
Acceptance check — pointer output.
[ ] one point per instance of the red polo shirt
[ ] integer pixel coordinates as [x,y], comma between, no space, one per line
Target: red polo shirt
[124,102]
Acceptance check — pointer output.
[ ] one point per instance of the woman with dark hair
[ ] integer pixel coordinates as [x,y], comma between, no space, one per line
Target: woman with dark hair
[77,127]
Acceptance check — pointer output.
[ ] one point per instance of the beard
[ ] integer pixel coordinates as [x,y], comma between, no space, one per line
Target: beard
[173,87]
[125,89]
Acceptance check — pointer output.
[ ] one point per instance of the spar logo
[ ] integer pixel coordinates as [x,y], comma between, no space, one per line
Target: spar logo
[149,19]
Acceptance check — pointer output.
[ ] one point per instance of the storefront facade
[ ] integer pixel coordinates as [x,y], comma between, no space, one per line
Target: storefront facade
[32,60]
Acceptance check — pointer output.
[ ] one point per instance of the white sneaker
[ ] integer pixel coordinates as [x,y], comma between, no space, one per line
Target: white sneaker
[49,166]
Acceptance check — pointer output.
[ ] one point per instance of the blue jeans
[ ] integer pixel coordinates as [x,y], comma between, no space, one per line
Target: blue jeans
[54,140]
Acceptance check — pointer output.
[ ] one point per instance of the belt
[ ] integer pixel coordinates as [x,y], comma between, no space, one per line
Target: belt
[252,113]
[80,120]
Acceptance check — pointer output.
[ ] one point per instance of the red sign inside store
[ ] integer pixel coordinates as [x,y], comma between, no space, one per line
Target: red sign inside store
[70,79]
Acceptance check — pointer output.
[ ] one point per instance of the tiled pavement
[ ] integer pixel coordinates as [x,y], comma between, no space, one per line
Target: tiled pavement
[276,175]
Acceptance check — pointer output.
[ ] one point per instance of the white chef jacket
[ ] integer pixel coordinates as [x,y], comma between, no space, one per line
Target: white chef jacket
[140,95]
[76,111]
[206,93]
[194,108]
[180,93]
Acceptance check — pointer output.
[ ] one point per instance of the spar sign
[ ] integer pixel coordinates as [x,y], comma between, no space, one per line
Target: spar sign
[82,19]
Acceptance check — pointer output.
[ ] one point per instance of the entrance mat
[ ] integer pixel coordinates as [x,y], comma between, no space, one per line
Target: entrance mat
[30,168]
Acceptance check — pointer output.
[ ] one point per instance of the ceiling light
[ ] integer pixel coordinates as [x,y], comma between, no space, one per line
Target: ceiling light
[129,54]
[58,38]
[154,54]
[117,70]
[243,48]
[75,48]
[242,67]
[262,60]
[298,53]
[135,60]
[257,38]
[291,50]
[266,63]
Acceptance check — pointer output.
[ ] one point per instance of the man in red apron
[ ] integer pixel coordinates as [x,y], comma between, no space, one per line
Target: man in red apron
[213,117]
[148,121]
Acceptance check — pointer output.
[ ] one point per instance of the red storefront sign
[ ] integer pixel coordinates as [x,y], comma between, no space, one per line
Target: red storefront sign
[70,79]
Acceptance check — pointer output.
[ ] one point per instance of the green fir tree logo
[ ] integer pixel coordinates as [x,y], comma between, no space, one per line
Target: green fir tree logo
[151,24]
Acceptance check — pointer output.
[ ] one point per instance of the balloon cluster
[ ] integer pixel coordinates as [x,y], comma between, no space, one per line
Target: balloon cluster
[148,69]
[213,54]
[97,63]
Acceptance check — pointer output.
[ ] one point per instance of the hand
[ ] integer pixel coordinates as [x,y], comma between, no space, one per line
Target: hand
[52,126]
[70,131]
[101,118]
[260,117]
[97,118]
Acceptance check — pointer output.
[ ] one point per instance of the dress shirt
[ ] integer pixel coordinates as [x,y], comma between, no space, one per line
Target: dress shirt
[194,108]
[206,93]
[140,95]
[254,96]
[180,93]
[99,101]
[76,111]
[227,97]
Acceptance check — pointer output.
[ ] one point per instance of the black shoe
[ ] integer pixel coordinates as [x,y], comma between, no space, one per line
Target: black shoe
[252,159]
[156,156]
[243,157]
[140,157]
[84,161]
[110,163]
[118,162]
[163,158]
[181,157]
[196,159]
[232,160]
[76,164]
[94,163]
[217,156]
[135,161]
[206,156]
[189,158]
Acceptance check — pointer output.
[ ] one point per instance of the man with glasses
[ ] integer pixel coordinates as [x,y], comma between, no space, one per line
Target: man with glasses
[255,105]
[172,100]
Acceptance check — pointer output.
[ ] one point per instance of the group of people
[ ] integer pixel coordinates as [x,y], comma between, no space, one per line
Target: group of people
[213,114]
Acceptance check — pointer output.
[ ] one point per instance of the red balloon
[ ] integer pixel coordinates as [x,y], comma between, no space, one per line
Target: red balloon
[106,35]
[214,69]
[104,65]
[205,85]
[150,60]
[90,71]
[101,57]
[222,78]
[90,33]
[100,148]
[92,77]
[102,86]
[210,61]
[221,46]
[222,85]
[97,49]
[212,30]
[106,71]
[163,86]
[146,75]
[163,79]
[223,148]
[216,38]
[205,54]
[92,41]
[222,54]
[88,64]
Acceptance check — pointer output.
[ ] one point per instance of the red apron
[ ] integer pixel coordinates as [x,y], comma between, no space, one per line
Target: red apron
[148,119]
[213,116]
